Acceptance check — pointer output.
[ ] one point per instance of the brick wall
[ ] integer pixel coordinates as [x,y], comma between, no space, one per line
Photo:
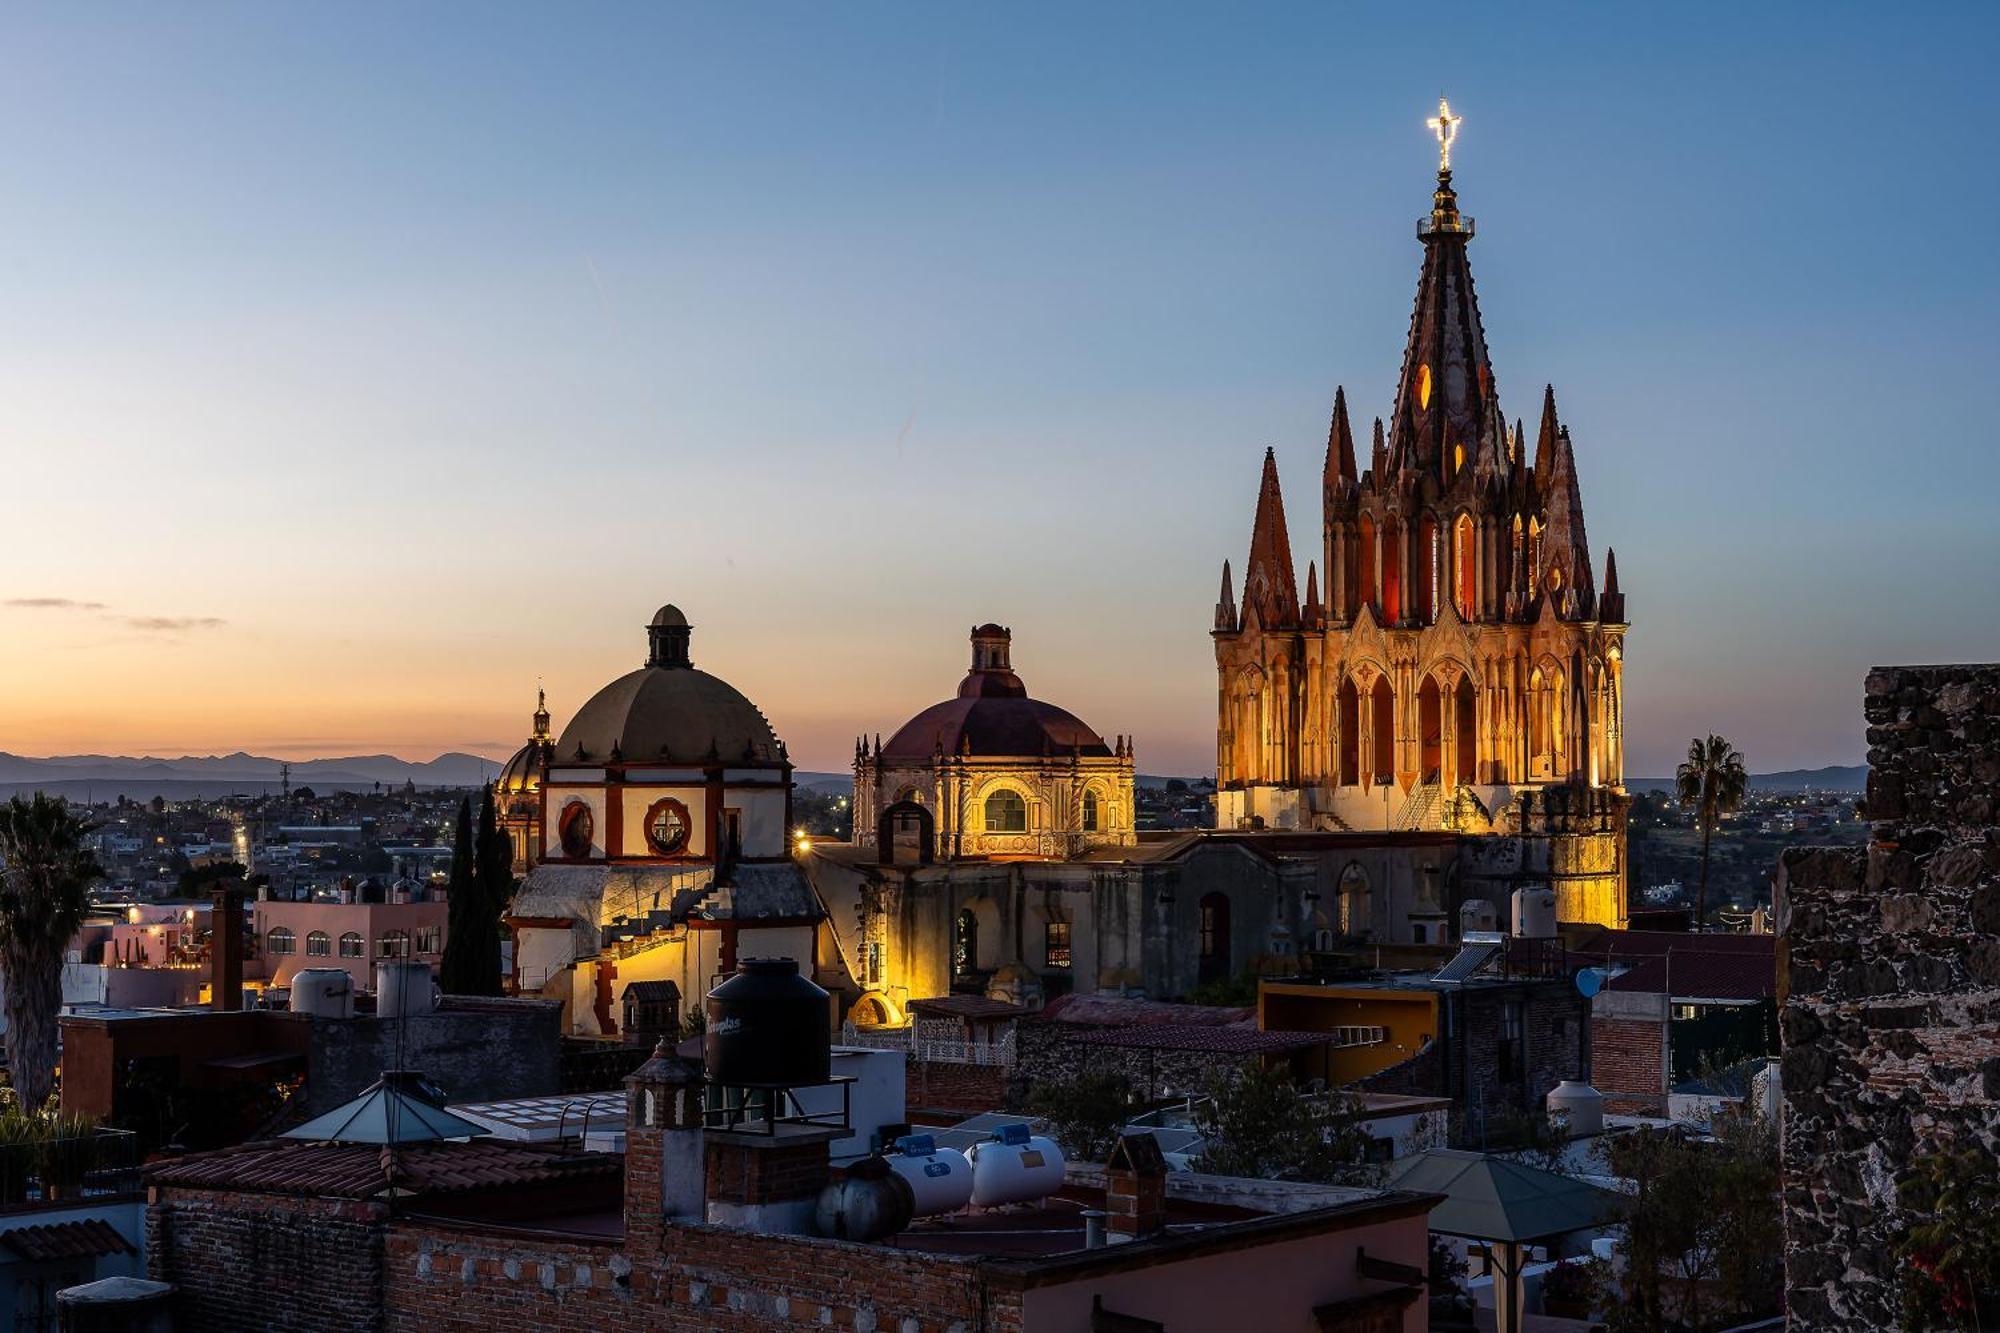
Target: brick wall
[752,1173]
[1628,1065]
[951,1085]
[1889,975]
[703,1278]
[287,1265]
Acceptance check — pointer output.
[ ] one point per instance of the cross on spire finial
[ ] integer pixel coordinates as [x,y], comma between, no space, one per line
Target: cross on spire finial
[1445,126]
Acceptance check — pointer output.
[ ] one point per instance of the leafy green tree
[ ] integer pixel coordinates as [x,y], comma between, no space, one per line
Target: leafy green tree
[1703,1241]
[45,876]
[196,880]
[493,870]
[1085,1114]
[1712,781]
[1256,1123]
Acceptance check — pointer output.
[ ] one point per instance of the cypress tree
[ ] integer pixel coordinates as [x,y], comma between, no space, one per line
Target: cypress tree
[494,872]
[461,944]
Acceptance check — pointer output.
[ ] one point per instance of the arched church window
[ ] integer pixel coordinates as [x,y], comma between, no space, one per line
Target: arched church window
[1214,956]
[1356,909]
[1364,567]
[1466,578]
[575,829]
[965,944]
[667,826]
[1006,812]
[1348,719]
[1383,724]
[1090,812]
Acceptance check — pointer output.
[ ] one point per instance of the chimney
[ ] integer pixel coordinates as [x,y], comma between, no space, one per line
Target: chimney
[225,947]
[663,1146]
[768,1181]
[1135,1188]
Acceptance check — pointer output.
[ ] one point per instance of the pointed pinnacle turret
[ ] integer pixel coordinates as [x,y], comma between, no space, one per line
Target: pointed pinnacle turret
[1378,457]
[1545,444]
[1340,445]
[1270,591]
[1445,395]
[1312,615]
[1564,545]
[1225,605]
[1611,602]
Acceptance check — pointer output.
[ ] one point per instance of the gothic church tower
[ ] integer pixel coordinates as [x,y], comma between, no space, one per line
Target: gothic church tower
[1461,669]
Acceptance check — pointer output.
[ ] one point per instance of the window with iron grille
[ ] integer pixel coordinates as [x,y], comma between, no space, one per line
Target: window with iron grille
[1055,944]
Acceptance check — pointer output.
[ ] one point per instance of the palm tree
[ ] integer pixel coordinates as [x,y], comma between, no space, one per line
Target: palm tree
[1712,780]
[44,894]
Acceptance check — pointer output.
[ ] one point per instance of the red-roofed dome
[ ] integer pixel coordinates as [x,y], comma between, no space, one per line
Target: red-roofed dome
[993,715]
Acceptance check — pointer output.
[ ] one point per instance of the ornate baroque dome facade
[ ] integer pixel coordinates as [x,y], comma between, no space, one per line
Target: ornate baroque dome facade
[992,772]
[517,792]
[666,764]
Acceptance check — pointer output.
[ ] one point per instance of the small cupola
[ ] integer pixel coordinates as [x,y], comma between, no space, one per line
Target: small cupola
[667,639]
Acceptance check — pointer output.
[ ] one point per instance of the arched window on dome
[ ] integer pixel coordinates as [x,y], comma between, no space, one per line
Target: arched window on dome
[1090,812]
[353,946]
[318,944]
[1006,812]
[281,940]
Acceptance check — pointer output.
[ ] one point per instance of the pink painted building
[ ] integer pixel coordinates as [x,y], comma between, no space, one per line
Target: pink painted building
[292,936]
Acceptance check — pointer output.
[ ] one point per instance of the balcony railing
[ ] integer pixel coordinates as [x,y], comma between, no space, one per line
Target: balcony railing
[920,1044]
[97,1164]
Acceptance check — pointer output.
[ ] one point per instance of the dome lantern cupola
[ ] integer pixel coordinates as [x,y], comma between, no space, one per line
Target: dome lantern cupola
[667,638]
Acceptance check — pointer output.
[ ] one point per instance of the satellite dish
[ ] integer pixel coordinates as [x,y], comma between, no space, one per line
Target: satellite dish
[1589,981]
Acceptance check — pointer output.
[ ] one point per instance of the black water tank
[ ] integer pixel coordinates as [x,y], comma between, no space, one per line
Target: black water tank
[767,1026]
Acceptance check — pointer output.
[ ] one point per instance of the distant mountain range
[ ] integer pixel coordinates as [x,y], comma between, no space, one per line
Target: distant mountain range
[1852,778]
[103,777]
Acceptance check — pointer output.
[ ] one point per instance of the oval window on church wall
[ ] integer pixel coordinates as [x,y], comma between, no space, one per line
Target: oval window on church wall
[667,826]
[575,829]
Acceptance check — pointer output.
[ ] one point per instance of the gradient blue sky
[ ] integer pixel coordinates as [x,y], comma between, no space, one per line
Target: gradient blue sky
[360,364]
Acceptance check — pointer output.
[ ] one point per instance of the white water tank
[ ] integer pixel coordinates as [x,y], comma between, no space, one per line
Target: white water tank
[1477,915]
[404,990]
[1015,1166]
[323,992]
[1535,913]
[1580,1106]
[940,1179]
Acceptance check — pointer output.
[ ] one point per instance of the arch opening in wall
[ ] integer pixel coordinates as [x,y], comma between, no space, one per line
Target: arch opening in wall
[1392,571]
[905,834]
[1006,812]
[1465,750]
[1364,568]
[1465,578]
[1214,937]
[965,944]
[1430,728]
[1090,814]
[1347,717]
[1355,900]
[1383,723]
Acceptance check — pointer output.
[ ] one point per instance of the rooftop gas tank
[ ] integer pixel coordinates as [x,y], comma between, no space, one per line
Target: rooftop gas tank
[1580,1105]
[768,1027]
[868,1202]
[1535,913]
[1015,1166]
[940,1179]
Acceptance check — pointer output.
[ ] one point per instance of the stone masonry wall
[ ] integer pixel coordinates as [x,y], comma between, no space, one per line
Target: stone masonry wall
[1889,973]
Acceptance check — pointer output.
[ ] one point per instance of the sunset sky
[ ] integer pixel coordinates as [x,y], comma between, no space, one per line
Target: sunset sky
[361,365]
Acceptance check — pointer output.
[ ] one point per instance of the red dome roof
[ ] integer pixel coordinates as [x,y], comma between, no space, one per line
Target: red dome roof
[993,716]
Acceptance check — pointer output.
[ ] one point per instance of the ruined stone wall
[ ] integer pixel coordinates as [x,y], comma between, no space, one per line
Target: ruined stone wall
[1889,972]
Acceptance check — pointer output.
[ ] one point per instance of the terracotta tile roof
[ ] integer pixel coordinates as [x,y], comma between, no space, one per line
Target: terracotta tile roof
[1698,974]
[1211,1040]
[1112,1010]
[964,1006]
[355,1170]
[85,1238]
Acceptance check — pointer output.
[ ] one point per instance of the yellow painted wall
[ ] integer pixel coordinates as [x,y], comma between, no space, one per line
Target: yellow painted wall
[1411,1018]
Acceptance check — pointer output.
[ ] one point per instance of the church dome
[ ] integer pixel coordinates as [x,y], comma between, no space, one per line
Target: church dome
[668,712]
[521,775]
[992,716]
